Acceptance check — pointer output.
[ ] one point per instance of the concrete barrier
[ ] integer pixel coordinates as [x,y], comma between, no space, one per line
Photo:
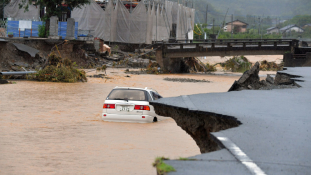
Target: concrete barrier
[297,60]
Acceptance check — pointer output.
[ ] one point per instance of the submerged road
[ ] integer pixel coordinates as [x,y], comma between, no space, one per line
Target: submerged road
[274,137]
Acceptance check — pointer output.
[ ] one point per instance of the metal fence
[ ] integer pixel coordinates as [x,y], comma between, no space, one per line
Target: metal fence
[62,29]
[13,28]
[3,28]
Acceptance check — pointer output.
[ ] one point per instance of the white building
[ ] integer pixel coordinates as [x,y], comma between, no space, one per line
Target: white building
[273,30]
[291,28]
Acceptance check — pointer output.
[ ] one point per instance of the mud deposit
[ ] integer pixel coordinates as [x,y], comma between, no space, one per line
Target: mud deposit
[55,128]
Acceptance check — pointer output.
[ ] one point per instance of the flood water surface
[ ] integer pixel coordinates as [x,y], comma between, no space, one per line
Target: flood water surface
[55,128]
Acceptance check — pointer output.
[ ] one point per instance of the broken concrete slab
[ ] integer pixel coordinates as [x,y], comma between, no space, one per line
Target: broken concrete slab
[30,50]
[270,79]
[284,79]
[3,40]
[249,80]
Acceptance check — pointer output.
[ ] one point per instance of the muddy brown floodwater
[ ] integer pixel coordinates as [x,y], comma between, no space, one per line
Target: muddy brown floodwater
[55,128]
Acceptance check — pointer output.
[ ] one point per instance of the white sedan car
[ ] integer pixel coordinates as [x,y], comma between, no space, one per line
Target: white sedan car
[125,104]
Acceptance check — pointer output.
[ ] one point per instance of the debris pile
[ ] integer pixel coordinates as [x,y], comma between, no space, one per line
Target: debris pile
[270,66]
[210,68]
[195,65]
[185,80]
[59,70]
[251,81]
[153,68]
[3,81]
[237,64]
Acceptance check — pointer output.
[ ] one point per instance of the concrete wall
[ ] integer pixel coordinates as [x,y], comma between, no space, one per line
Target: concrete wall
[290,61]
[172,65]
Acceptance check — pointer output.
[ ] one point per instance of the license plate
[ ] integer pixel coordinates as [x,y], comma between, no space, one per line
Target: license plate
[124,108]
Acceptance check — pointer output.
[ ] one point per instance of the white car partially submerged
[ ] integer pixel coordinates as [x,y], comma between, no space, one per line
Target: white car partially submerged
[126,104]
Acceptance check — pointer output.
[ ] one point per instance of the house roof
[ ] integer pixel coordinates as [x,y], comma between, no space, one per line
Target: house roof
[236,21]
[289,27]
[282,21]
[271,28]
[210,26]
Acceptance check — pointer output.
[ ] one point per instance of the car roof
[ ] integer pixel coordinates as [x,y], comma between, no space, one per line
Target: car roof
[146,88]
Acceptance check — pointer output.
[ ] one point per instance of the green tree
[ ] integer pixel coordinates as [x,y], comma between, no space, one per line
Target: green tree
[299,20]
[2,5]
[53,7]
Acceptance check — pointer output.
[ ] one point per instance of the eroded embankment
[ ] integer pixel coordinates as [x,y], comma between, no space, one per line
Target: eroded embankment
[199,124]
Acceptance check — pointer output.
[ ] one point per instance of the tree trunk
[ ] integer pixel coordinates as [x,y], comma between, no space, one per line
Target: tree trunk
[47,27]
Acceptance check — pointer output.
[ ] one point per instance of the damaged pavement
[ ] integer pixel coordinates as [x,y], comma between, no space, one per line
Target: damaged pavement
[247,131]
[250,81]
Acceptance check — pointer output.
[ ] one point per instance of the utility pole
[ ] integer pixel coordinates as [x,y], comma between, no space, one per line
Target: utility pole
[277,21]
[231,25]
[258,25]
[213,25]
[260,31]
[206,14]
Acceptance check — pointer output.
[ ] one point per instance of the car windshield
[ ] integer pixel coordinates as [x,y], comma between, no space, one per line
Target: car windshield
[127,94]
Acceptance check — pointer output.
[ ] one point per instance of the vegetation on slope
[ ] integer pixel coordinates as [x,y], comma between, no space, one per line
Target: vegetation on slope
[162,167]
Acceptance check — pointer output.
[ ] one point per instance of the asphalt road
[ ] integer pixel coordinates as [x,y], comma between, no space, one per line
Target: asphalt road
[274,138]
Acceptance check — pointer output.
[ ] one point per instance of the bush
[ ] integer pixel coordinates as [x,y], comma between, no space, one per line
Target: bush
[161,166]
[194,65]
[270,66]
[210,68]
[237,64]
[152,68]
[41,31]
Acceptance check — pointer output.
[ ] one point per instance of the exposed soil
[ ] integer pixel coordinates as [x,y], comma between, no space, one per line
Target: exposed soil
[12,59]
[82,53]
[198,124]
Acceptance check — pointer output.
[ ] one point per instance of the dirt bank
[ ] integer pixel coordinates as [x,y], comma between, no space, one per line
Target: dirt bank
[13,59]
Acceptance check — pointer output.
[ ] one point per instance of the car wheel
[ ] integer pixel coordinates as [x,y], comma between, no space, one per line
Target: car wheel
[155,119]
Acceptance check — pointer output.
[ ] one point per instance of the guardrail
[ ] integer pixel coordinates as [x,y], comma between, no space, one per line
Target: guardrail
[299,56]
[18,73]
[229,43]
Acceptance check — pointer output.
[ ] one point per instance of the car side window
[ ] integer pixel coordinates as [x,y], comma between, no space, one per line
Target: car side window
[149,97]
[156,96]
